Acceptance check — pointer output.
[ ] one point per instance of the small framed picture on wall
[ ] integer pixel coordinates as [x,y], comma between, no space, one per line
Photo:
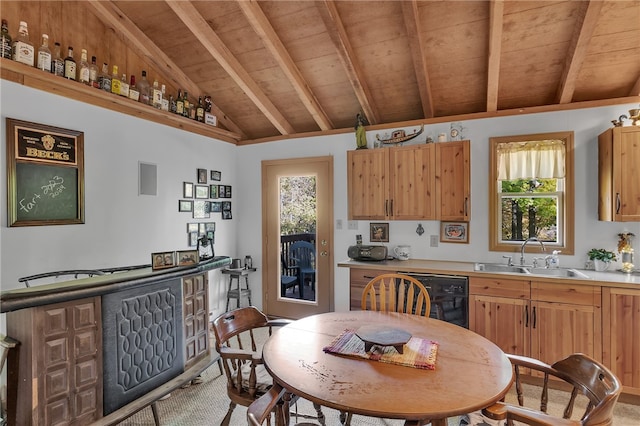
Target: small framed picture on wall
[202,191]
[202,175]
[454,232]
[185,206]
[187,190]
[213,191]
[379,232]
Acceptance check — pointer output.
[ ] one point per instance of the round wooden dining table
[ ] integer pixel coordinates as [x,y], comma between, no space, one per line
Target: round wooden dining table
[470,371]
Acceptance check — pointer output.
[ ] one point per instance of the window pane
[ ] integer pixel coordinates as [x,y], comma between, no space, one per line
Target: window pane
[531,185]
[523,216]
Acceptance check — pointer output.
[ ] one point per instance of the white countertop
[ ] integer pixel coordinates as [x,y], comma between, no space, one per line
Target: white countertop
[608,278]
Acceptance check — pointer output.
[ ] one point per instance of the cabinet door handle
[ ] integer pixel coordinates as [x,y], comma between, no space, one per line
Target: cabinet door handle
[618,202]
[386,207]
[534,316]
[466,206]
[391,209]
[526,316]
[368,277]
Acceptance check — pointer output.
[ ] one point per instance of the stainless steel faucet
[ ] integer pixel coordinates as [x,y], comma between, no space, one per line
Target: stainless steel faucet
[524,244]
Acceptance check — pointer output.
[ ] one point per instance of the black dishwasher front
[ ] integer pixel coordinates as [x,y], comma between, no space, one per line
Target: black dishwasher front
[449,296]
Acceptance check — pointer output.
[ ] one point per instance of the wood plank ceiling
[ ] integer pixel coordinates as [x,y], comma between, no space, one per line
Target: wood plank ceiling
[278,69]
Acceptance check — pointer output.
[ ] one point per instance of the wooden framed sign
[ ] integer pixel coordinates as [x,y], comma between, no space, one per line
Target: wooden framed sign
[45,174]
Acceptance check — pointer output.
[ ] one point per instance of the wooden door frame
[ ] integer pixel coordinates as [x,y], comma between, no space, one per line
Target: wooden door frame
[271,257]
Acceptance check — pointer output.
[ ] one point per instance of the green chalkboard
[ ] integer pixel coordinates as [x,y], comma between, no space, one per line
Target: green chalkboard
[46,192]
[45,174]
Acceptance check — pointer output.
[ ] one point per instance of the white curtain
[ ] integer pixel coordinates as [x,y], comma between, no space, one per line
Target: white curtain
[543,159]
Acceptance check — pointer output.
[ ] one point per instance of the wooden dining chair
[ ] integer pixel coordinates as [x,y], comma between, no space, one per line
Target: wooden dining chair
[590,381]
[393,293]
[396,293]
[235,332]
[275,401]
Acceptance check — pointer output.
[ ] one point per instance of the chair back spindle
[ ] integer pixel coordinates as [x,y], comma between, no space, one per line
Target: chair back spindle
[396,293]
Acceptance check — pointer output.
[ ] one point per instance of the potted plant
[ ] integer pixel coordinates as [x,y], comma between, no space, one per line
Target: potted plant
[601,258]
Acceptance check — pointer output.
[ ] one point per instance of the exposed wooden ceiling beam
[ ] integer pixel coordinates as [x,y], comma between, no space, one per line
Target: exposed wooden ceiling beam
[635,90]
[338,35]
[210,40]
[416,43]
[496,17]
[588,14]
[112,16]
[263,28]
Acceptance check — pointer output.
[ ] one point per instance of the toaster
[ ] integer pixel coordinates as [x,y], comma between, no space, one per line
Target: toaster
[367,253]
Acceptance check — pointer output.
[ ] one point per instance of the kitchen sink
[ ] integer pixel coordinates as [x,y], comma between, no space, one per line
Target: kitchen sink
[559,272]
[515,269]
[500,267]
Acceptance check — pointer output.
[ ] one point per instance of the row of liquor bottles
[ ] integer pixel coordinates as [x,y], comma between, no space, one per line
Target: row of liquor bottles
[22,50]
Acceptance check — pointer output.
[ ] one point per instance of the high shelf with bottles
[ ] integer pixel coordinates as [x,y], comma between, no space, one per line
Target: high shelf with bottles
[37,79]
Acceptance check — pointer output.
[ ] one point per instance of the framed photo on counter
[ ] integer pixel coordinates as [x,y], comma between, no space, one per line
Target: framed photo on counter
[163,260]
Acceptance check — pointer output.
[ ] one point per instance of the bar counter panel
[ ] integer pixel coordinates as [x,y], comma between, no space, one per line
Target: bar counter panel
[76,338]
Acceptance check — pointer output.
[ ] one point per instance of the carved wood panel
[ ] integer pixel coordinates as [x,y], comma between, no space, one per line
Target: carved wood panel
[196,317]
[65,376]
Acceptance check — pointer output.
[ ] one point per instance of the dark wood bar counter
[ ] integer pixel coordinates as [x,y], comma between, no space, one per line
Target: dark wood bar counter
[104,347]
[12,300]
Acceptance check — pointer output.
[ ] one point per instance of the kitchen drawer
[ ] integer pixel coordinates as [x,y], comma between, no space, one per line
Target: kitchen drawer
[515,289]
[574,294]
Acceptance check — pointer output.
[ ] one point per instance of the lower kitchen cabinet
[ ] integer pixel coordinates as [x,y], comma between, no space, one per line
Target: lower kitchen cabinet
[358,279]
[547,321]
[566,318]
[499,310]
[621,335]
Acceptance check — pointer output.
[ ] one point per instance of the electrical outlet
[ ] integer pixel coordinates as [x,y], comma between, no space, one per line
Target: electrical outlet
[338,223]
[353,224]
[434,241]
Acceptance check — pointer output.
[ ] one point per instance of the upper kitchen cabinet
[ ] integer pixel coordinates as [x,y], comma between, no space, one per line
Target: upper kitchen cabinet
[428,181]
[453,181]
[391,183]
[368,183]
[619,174]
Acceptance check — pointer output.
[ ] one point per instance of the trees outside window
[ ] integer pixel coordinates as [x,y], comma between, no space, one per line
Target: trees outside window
[297,205]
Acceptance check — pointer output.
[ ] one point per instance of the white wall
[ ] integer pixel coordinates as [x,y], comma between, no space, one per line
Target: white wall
[123,228]
[586,123]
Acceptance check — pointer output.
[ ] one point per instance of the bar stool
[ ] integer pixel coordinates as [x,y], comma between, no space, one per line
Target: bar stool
[238,291]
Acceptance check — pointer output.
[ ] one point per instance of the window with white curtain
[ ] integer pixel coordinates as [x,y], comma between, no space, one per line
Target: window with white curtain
[531,190]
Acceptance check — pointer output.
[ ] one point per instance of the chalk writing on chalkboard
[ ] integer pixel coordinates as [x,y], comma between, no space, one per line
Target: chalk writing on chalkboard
[46,192]
[45,174]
